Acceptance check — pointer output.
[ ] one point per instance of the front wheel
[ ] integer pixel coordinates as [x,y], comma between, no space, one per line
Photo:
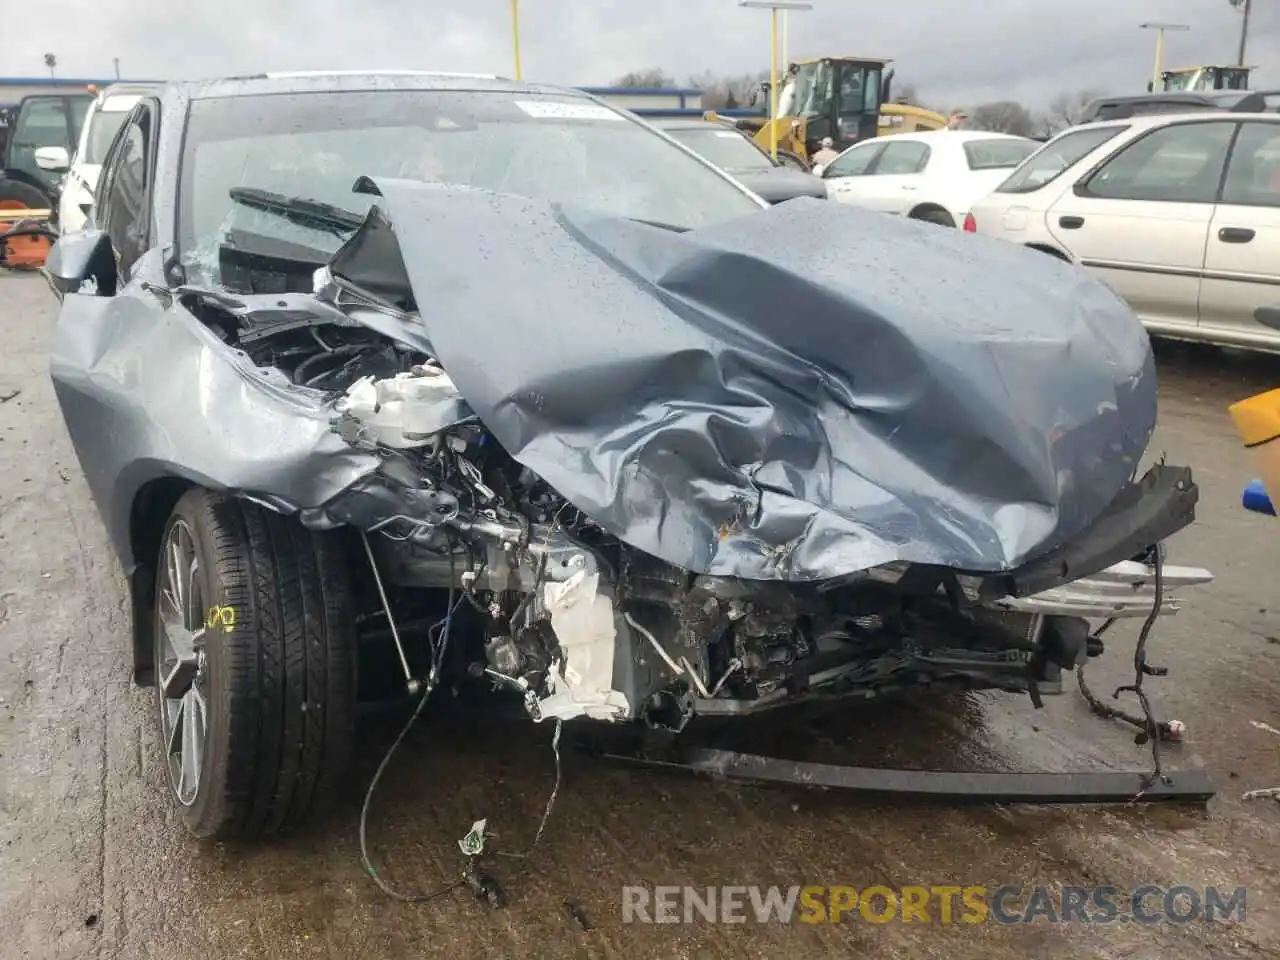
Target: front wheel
[255,665]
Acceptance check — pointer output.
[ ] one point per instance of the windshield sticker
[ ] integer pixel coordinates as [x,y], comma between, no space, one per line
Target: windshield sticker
[557,110]
[727,134]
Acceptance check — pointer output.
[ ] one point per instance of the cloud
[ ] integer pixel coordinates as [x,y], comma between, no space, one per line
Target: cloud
[952,51]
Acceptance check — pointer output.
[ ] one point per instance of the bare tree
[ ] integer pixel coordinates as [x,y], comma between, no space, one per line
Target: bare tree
[727,92]
[650,79]
[907,93]
[1003,116]
[1066,109]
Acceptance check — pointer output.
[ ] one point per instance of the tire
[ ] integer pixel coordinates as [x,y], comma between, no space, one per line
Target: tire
[934,215]
[17,195]
[270,680]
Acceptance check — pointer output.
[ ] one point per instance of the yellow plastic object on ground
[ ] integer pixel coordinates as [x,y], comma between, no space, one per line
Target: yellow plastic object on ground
[1257,420]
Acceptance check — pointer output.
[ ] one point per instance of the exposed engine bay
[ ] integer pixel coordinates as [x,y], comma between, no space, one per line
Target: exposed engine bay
[577,622]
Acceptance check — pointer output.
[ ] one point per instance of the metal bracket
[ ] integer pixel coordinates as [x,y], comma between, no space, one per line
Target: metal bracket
[1182,786]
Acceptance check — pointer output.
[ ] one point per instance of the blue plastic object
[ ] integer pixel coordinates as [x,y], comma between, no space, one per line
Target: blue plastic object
[1255,498]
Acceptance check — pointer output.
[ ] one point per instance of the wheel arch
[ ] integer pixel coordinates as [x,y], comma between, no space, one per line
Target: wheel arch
[1049,249]
[149,512]
[929,206]
[925,208]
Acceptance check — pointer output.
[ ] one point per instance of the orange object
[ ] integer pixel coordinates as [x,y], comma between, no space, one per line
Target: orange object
[20,247]
[1257,420]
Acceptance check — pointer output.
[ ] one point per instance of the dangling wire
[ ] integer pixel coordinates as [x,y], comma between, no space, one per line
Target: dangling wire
[1150,729]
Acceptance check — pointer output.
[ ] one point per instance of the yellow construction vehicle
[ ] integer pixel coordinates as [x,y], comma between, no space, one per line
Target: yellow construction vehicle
[844,98]
[1200,79]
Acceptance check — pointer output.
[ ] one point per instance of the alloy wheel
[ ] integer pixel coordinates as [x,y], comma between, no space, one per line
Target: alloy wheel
[180,655]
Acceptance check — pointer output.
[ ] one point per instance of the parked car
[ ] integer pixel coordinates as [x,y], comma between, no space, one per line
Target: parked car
[104,117]
[933,176]
[490,385]
[1182,101]
[1179,214]
[39,121]
[737,154]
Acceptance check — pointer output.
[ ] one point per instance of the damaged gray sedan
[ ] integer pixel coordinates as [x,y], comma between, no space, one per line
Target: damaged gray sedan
[493,386]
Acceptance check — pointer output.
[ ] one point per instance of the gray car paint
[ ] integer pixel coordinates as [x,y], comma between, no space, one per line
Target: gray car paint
[779,184]
[761,398]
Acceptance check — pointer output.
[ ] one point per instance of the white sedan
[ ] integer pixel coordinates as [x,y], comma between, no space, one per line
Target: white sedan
[933,176]
[1179,213]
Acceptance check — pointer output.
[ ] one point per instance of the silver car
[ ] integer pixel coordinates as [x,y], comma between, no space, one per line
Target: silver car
[1179,214]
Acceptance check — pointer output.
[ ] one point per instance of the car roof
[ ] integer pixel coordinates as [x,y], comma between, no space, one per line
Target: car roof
[1169,102]
[262,84]
[129,88]
[952,136]
[1148,120]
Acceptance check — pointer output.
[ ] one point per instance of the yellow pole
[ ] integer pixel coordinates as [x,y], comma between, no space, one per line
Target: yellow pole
[786,36]
[515,36]
[773,83]
[1155,71]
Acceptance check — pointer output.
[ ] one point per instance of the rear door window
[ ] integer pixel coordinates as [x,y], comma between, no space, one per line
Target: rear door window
[1253,175]
[997,153]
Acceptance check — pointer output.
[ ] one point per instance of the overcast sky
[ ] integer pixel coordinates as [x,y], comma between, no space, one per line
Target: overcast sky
[952,51]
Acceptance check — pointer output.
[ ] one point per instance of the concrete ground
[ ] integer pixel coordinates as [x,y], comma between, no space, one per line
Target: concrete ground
[93,862]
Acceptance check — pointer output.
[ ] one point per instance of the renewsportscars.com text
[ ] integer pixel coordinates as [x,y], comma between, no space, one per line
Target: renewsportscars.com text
[972,904]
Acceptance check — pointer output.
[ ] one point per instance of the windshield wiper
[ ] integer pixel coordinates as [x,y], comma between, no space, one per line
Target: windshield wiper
[299,209]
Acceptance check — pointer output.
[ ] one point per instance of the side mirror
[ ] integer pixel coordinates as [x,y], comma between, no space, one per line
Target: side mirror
[53,159]
[818,169]
[78,258]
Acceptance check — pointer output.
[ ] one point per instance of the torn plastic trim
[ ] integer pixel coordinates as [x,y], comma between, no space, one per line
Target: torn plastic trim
[1143,514]
[267,314]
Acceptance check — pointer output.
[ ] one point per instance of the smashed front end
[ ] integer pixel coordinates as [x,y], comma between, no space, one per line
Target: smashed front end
[666,474]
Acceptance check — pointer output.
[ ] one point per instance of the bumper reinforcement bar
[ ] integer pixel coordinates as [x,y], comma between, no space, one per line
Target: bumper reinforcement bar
[1182,786]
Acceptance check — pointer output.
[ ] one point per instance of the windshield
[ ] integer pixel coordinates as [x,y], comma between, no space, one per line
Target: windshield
[997,153]
[1188,80]
[1050,161]
[316,145]
[724,148]
[103,125]
[808,90]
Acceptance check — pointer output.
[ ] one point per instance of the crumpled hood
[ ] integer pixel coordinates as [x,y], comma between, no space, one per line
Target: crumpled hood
[796,394]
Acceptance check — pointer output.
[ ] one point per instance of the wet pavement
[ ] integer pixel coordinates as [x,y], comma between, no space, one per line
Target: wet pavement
[93,862]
